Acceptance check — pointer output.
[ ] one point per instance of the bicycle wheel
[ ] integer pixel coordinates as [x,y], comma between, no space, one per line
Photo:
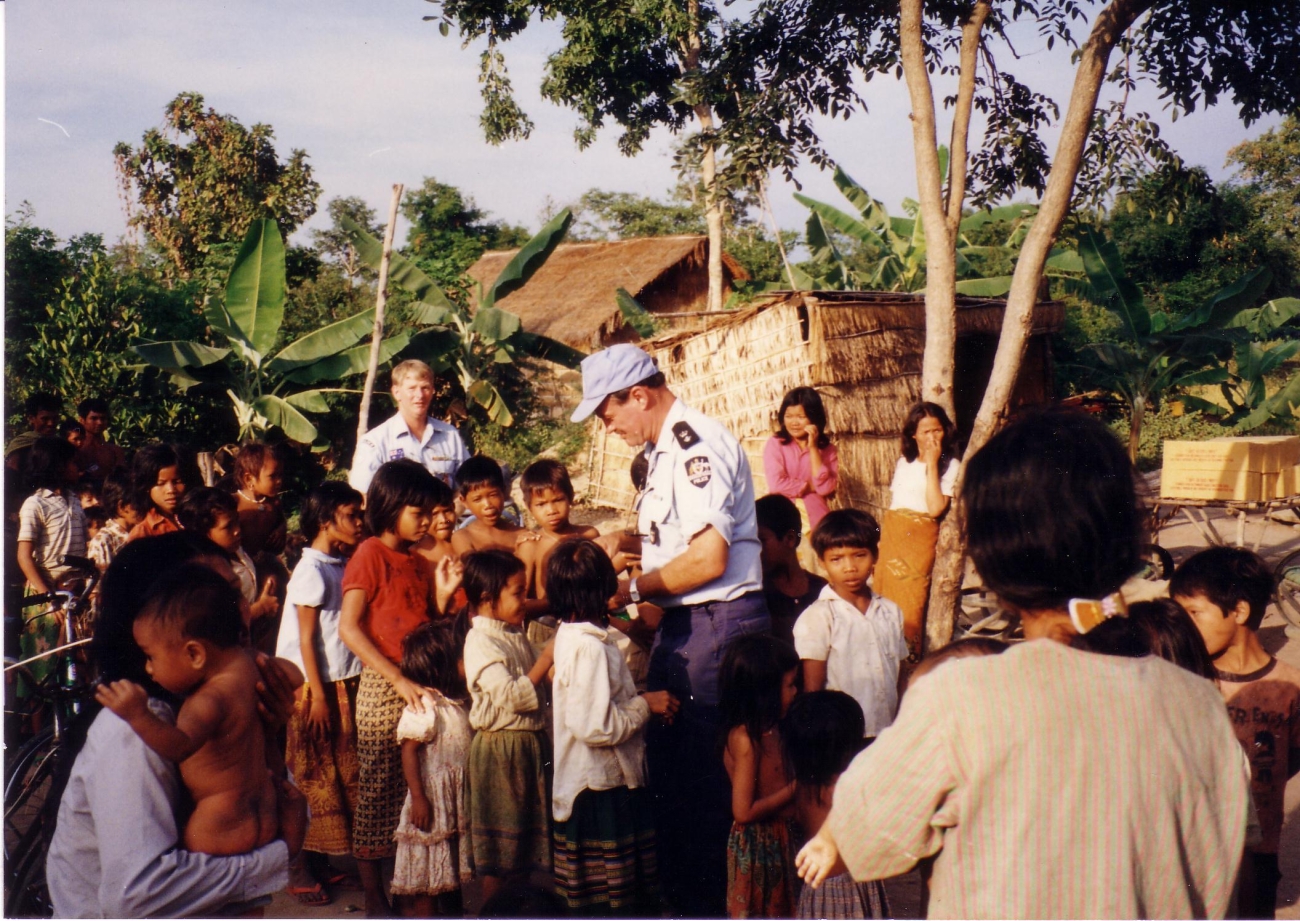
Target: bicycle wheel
[27,790]
[27,895]
[1286,588]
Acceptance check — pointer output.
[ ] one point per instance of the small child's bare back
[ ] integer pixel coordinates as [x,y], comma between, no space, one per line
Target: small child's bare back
[235,808]
[220,744]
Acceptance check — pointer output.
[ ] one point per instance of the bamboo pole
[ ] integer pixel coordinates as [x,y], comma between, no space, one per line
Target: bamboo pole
[381,299]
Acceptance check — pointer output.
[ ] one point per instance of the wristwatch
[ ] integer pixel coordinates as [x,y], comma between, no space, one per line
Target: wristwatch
[633,593]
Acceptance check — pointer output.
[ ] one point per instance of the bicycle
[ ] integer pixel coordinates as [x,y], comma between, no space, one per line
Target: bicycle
[33,776]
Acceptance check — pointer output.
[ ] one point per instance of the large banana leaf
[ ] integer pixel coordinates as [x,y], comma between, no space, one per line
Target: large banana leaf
[350,361]
[1112,288]
[1064,260]
[289,420]
[634,314]
[529,259]
[401,271]
[985,287]
[312,401]
[484,394]
[494,324]
[1221,309]
[176,354]
[842,222]
[255,290]
[326,341]
[984,216]
[1261,321]
[549,349]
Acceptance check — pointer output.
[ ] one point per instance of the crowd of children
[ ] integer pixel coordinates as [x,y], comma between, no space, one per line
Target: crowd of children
[472,706]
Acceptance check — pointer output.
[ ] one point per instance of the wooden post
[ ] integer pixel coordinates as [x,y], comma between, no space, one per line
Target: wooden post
[376,338]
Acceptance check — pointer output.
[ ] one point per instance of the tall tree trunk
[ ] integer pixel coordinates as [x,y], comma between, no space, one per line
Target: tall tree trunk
[708,162]
[1110,25]
[940,246]
[381,299]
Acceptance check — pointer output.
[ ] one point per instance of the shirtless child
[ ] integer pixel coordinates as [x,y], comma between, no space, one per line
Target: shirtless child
[436,544]
[482,488]
[189,630]
[548,493]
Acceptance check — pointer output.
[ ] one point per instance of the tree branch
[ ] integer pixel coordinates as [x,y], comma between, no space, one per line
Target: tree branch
[971,31]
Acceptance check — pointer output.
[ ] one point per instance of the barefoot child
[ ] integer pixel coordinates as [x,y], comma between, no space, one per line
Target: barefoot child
[756,686]
[508,783]
[482,487]
[189,630]
[433,849]
[823,731]
[851,639]
[388,591]
[605,859]
[321,751]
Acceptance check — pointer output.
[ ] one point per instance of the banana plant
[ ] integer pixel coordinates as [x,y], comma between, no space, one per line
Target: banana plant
[476,347]
[268,388]
[895,246]
[1213,345]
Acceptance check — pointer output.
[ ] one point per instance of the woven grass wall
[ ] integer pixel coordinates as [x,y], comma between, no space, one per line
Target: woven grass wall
[863,354]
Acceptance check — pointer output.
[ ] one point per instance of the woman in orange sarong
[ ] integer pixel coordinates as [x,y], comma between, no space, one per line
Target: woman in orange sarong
[919,496]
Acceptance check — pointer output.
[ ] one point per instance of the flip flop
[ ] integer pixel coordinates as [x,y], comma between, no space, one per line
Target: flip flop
[314,895]
[341,880]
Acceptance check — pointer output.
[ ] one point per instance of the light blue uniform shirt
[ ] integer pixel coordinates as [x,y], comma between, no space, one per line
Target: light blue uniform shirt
[441,451]
[699,477]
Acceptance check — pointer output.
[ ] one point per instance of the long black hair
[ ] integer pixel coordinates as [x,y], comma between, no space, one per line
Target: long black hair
[810,401]
[749,684]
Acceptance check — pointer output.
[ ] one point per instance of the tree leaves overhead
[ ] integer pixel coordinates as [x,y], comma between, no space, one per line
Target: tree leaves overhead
[203,178]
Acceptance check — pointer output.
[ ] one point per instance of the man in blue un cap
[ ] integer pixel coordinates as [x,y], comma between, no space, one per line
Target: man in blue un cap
[700,554]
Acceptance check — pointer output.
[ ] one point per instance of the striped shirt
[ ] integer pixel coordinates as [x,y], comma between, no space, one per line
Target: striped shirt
[55,526]
[1053,782]
[104,545]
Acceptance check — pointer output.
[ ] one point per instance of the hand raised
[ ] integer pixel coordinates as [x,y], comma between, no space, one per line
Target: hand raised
[125,698]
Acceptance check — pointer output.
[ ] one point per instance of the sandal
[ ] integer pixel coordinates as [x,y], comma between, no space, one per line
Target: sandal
[314,895]
[341,879]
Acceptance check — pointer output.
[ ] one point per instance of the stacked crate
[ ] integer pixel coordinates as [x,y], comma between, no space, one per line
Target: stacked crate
[1246,469]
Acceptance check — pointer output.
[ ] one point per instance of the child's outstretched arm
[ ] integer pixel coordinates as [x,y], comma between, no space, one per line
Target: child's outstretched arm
[744,782]
[195,724]
[819,859]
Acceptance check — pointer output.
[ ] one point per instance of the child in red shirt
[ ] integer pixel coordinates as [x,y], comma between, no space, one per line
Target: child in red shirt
[388,591]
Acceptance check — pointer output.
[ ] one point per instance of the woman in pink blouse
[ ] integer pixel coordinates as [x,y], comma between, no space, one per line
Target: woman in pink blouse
[799,460]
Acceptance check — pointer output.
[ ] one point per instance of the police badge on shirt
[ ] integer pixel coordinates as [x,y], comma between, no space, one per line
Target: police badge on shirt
[699,471]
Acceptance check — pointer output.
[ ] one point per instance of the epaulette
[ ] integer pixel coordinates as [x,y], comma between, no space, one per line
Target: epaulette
[685,435]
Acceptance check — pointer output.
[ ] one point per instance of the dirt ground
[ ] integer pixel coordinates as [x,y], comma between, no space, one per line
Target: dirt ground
[1181,539]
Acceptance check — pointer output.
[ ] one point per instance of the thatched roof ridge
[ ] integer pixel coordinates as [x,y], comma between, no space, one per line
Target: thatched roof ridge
[571,297]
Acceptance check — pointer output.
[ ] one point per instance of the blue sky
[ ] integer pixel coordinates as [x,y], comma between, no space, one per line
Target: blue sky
[376,96]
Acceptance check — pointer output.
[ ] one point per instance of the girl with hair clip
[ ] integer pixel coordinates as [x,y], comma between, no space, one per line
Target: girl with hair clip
[605,862]
[921,492]
[799,461]
[1023,772]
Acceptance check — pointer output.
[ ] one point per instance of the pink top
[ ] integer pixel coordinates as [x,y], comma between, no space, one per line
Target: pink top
[789,471]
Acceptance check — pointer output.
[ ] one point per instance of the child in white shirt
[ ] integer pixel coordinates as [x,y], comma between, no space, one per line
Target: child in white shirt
[605,859]
[851,639]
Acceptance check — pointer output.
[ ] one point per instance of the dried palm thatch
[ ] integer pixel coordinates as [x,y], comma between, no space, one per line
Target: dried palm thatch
[861,350]
[571,297]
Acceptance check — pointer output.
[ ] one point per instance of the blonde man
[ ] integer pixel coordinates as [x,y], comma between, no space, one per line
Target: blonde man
[412,433]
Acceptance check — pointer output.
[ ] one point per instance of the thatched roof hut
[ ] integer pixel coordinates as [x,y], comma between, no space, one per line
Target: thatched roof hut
[571,297]
[862,351]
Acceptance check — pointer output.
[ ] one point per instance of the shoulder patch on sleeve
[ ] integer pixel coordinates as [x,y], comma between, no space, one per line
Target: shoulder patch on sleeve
[685,435]
[699,471]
